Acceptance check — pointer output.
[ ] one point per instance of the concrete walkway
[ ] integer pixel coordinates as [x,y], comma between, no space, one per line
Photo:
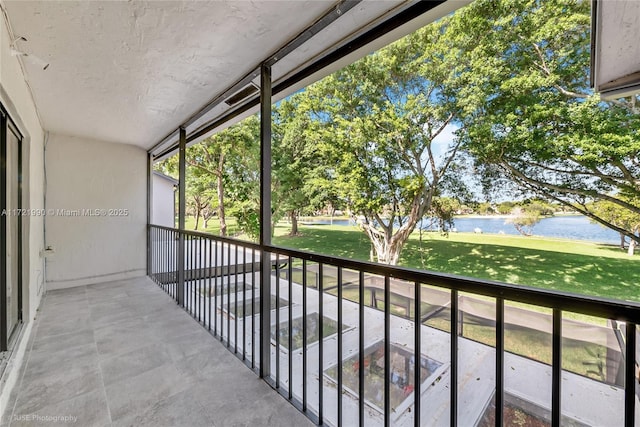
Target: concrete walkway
[124,354]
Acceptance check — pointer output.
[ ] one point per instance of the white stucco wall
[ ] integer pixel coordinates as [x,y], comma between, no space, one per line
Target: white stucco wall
[163,212]
[16,98]
[85,174]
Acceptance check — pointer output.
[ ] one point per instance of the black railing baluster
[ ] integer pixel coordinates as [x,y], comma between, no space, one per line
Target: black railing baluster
[290,310]
[154,261]
[174,258]
[228,267]
[360,349]
[158,257]
[221,292]
[417,353]
[499,394]
[187,268]
[453,421]
[253,308]
[387,353]
[244,303]
[556,369]
[190,275]
[278,320]
[161,258]
[304,335]
[174,255]
[210,274]
[185,297]
[202,287]
[154,254]
[202,281]
[201,277]
[154,250]
[630,380]
[235,292]
[192,282]
[196,278]
[215,288]
[321,344]
[340,354]
[156,242]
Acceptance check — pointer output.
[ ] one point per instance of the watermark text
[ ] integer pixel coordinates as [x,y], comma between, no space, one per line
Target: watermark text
[84,212]
[38,418]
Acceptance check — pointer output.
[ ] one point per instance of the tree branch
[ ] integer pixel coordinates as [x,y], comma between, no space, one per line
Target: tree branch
[577,191]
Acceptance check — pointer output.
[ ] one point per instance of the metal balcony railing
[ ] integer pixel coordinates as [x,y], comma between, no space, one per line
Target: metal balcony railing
[355,343]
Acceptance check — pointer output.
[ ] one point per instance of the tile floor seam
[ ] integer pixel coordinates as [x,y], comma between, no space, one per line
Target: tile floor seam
[104,388]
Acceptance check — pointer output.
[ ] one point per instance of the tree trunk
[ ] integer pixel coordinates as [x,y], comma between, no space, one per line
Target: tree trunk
[632,247]
[387,244]
[197,218]
[386,247]
[622,241]
[294,223]
[221,214]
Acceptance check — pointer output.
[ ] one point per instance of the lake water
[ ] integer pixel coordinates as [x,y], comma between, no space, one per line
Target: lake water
[575,227]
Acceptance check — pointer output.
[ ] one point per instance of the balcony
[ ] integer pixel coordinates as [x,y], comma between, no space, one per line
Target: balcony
[110,318]
[369,314]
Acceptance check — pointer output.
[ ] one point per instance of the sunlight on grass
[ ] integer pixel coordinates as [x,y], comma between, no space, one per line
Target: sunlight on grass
[561,265]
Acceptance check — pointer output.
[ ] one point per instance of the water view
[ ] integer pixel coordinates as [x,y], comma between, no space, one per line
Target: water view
[575,227]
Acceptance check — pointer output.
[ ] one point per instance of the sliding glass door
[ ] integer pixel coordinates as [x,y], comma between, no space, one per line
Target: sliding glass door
[11,226]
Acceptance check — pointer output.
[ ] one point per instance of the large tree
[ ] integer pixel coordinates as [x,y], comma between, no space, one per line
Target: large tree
[295,158]
[227,162]
[538,122]
[381,118]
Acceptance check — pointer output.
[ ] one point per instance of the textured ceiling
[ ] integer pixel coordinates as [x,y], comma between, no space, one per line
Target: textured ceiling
[617,51]
[131,72]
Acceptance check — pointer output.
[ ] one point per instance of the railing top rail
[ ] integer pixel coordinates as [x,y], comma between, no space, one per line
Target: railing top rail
[231,240]
[583,304]
[565,301]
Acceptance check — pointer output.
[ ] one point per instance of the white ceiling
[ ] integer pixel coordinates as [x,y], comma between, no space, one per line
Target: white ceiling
[617,51]
[131,72]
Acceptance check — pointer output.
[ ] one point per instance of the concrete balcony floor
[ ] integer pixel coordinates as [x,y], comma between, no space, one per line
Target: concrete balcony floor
[123,353]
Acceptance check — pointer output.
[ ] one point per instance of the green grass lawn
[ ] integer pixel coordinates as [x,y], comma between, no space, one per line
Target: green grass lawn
[556,264]
[214,226]
[563,265]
